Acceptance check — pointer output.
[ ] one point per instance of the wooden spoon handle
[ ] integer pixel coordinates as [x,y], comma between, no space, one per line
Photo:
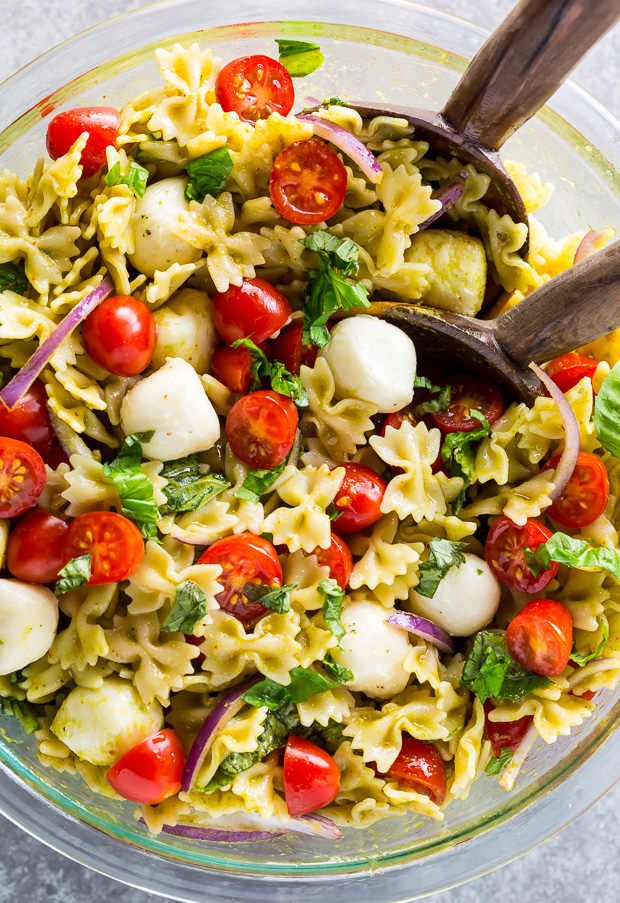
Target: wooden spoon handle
[523,63]
[576,307]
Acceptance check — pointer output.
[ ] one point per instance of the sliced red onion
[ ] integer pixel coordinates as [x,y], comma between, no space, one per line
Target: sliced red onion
[448,196]
[249,828]
[592,242]
[348,144]
[192,537]
[195,832]
[22,381]
[568,459]
[510,772]
[225,709]
[423,628]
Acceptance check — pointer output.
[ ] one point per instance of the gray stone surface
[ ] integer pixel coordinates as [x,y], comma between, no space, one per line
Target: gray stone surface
[582,864]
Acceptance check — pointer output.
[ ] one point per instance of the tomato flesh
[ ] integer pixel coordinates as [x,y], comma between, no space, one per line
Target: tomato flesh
[540,637]
[29,421]
[419,765]
[337,557]
[569,369]
[469,393]
[114,543]
[311,777]
[586,494]
[34,550]
[244,558]
[505,556]
[261,428]
[233,368]
[55,456]
[254,87]
[22,477]
[358,501]
[120,335]
[308,182]
[254,309]
[151,771]
[101,123]
[288,348]
[504,734]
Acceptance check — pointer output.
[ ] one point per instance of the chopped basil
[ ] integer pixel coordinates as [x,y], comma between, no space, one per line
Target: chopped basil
[459,454]
[208,174]
[330,102]
[74,574]
[188,487]
[279,377]
[187,609]
[13,277]
[258,482]
[442,555]
[607,412]
[136,178]
[489,671]
[337,672]
[304,683]
[579,658]
[576,553]
[435,405]
[275,598]
[497,764]
[134,487]
[25,712]
[332,606]
[299,58]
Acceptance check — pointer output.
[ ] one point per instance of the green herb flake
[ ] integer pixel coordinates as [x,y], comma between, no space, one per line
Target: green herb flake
[304,683]
[25,712]
[279,377]
[442,555]
[607,412]
[258,482]
[136,177]
[74,574]
[188,487]
[332,606]
[490,672]
[497,764]
[187,609]
[576,553]
[459,455]
[335,671]
[208,174]
[13,277]
[299,58]
[275,598]
[581,659]
[134,487]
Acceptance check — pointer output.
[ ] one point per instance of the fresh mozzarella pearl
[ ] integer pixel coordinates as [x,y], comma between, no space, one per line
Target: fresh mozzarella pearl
[172,402]
[156,248]
[101,725]
[465,601]
[28,622]
[373,361]
[374,651]
[185,329]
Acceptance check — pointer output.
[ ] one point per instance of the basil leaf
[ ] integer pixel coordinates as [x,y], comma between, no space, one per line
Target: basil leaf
[340,253]
[74,574]
[335,671]
[576,553]
[497,764]
[443,554]
[332,606]
[330,102]
[299,58]
[134,487]
[423,382]
[258,482]
[187,609]
[579,658]
[304,683]
[532,562]
[459,455]
[607,412]
[275,598]
[208,174]
[25,712]
[435,405]
[13,277]
[489,671]
[136,177]
[188,487]
[281,380]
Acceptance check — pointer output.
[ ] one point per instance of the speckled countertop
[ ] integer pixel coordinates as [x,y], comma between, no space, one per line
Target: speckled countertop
[580,865]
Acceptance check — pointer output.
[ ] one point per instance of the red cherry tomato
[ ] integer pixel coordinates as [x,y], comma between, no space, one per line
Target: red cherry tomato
[261,427]
[311,777]
[338,559]
[505,556]
[586,494]
[420,766]
[55,456]
[34,551]
[254,87]
[101,123]
[244,558]
[254,309]
[120,335]
[540,637]
[569,369]
[233,366]
[290,351]
[308,182]
[503,734]
[588,695]
[22,477]
[359,498]
[151,771]
[29,421]
[115,545]
[469,392]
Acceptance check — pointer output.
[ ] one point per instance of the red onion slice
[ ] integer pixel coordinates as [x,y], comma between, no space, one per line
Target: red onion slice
[423,628]
[448,196]
[22,381]
[592,242]
[348,144]
[568,459]
[225,709]
[195,832]
[250,828]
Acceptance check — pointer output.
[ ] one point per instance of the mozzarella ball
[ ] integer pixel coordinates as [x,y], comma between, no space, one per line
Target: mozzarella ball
[185,329]
[28,622]
[465,601]
[101,725]
[373,361]
[173,403]
[156,248]
[374,651]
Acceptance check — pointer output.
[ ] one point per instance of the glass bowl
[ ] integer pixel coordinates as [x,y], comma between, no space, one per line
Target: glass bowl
[390,50]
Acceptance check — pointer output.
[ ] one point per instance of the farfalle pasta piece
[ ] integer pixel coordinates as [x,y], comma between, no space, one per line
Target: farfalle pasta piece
[314,638]
[553,718]
[166,282]
[240,735]
[541,425]
[87,488]
[533,190]
[253,151]
[333,705]
[585,596]
[256,787]
[249,515]
[549,257]
[83,641]
[304,571]
[54,183]
[155,582]
[469,749]
[528,499]
[388,568]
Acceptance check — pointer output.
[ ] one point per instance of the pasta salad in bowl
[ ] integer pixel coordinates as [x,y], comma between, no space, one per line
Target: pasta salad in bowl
[267,572]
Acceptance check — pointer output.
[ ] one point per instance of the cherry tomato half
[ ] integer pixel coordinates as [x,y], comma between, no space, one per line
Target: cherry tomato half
[308,182]
[254,87]
[115,544]
[34,551]
[469,392]
[254,309]
[120,335]
[586,494]
[290,351]
[505,556]
[22,477]
[100,122]
[337,557]
[233,367]
[261,428]
[420,766]
[29,421]
[244,558]
[540,637]
[311,777]
[359,498]
[151,771]
[503,734]
[569,369]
